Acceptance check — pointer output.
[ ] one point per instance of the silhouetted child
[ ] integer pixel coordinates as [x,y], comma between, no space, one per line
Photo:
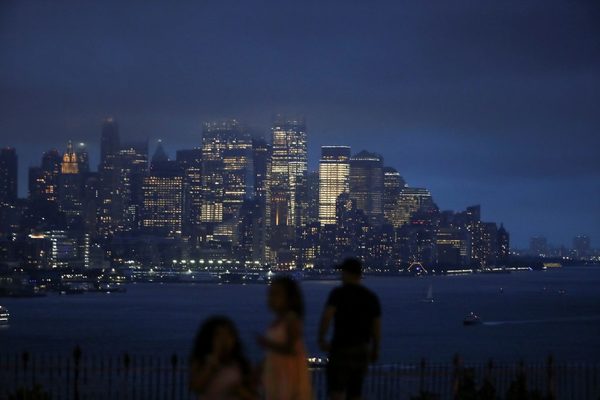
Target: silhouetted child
[218,368]
[285,373]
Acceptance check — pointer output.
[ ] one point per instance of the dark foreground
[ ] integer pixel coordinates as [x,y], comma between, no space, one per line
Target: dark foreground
[97,376]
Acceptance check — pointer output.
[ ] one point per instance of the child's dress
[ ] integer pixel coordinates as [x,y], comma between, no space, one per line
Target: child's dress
[286,377]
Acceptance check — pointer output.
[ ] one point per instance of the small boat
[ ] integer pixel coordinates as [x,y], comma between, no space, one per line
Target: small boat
[429,297]
[4,315]
[472,319]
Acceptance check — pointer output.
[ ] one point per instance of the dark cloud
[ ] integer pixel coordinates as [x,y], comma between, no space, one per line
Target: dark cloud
[482,101]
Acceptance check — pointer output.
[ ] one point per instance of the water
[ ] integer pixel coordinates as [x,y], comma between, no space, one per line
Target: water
[528,319]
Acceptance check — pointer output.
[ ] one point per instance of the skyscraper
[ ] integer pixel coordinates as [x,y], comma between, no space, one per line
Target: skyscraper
[162,204]
[366,184]
[83,158]
[410,201]
[51,162]
[226,170]
[108,210]
[131,166]
[70,184]
[287,174]
[190,162]
[8,176]
[393,183]
[334,172]
[109,141]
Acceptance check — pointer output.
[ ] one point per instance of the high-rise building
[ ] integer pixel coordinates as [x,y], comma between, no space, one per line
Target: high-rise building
[334,172]
[8,176]
[367,185]
[83,158]
[261,154]
[131,166]
[410,201]
[162,204]
[393,183]
[287,173]
[227,166]
[109,141]
[108,210]
[190,162]
[44,180]
[312,190]
[503,246]
[70,184]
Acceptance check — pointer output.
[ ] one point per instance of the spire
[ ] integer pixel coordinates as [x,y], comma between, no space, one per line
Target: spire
[160,155]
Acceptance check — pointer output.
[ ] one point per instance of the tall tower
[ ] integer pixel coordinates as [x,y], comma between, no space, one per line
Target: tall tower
[190,162]
[334,173]
[8,176]
[109,209]
[109,140]
[366,184]
[287,174]
[393,184]
[70,188]
[226,170]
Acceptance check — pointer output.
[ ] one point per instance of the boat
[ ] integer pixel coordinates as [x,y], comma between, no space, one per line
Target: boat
[110,288]
[472,319]
[4,315]
[429,297]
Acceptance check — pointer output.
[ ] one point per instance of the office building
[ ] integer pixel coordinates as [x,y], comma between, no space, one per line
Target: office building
[367,185]
[8,176]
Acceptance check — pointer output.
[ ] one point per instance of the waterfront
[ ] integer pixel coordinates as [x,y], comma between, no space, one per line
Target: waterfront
[526,315]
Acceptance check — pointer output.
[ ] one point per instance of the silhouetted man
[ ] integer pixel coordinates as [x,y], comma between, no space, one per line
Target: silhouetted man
[356,315]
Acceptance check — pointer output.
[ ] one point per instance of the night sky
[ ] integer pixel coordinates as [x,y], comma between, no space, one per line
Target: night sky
[490,102]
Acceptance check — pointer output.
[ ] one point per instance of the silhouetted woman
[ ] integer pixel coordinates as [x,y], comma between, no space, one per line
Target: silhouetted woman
[285,373]
[218,368]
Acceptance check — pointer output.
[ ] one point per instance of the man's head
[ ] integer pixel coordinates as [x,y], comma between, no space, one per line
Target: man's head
[351,270]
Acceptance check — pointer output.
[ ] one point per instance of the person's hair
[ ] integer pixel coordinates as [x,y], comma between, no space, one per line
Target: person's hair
[204,341]
[293,294]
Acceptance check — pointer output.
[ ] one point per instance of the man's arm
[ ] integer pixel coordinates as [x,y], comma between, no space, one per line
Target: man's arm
[326,318]
[376,332]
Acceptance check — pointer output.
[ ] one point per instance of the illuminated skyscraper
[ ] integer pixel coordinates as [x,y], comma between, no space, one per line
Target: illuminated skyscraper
[410,201]
[287,174]
[334,173]
[131,166]
[366,184]
[8,176]
[227,170]
[70,187]
[162,204]
[393,183]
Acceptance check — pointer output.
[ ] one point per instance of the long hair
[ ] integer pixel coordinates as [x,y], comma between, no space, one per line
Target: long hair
[204,341]
[293,294]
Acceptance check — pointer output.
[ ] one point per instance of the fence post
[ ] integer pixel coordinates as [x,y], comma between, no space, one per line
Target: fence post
[126,364]
[25,359]
[422,376]
[174,375]
[550,375]
[456,362]
[76,360]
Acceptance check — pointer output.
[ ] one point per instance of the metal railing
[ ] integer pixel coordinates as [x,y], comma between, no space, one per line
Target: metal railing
[87,376]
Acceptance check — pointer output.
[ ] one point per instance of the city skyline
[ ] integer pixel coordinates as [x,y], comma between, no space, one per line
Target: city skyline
[95,160]
[504,108]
